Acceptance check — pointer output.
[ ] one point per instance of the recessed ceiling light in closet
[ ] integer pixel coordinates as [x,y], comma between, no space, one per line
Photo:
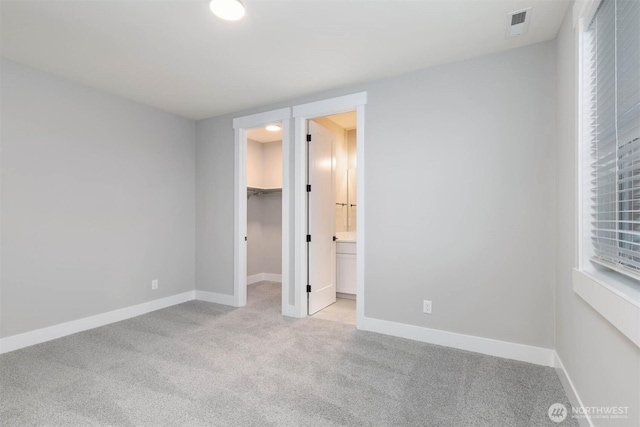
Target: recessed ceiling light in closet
[229,10]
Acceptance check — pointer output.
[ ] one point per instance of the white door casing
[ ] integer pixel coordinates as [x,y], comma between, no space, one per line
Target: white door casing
[294,119]
[301,113]
[322,248]
[241,125]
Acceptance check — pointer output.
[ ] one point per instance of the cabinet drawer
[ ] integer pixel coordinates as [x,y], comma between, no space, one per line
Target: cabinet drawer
[346,247]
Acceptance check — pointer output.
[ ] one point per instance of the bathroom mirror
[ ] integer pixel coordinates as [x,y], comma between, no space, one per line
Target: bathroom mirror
[346,184]
[352,198]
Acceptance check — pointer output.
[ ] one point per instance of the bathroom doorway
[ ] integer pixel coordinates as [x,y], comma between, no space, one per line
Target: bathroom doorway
[331,216]
[302,285]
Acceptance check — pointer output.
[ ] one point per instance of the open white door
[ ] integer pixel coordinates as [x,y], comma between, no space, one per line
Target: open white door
[321,248]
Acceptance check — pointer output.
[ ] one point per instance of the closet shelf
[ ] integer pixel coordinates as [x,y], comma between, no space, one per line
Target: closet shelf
[257,191]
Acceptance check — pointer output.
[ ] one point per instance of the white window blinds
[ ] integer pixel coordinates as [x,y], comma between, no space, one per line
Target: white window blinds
[611,114]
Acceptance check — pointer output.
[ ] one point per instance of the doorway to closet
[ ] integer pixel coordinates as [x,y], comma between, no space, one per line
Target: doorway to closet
[331,217]
[264,205]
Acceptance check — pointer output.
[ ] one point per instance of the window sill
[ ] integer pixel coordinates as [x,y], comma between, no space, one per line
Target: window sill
[615,300]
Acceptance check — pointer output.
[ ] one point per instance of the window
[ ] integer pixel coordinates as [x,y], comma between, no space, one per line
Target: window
[611,133]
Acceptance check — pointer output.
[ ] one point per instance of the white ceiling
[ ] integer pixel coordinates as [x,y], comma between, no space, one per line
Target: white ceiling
[347,121]
[263,135]
[176,56]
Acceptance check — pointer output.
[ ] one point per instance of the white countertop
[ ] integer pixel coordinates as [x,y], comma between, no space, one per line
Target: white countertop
[346,236]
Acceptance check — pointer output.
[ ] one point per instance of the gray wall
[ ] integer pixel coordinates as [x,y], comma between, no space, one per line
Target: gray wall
[264,212]
[97,200]
[460,196]
[264,233]
[214,205]
[272,209]
[254,236]
[272,234]
[603,364]
[254,208]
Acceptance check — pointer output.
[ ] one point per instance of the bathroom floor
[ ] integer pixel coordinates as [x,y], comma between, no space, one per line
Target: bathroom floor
[343,310]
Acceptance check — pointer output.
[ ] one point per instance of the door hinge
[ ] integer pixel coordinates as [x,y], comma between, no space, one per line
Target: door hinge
[308,188]
[308,138]
[308,238]
[335,238]
[308,288]
[245,238]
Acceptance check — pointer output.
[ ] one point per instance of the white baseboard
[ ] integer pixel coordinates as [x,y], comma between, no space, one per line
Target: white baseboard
[570,390]
[215,298]
[270,277]
[255,278]
[507,350]
[261,277]
[49,333]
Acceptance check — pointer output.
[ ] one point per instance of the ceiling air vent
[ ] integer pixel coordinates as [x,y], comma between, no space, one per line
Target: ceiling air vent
[518,22]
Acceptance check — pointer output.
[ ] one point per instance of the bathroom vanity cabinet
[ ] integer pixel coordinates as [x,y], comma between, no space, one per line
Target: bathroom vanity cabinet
[346,267]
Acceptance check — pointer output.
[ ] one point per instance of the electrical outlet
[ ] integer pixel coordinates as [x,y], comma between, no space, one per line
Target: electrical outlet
[154,284]
[426,306]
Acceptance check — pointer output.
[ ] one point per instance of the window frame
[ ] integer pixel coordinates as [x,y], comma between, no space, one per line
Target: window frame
[612,292]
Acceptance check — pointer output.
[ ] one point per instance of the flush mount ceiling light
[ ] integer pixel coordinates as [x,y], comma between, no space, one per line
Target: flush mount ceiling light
[273,128]
[229,10]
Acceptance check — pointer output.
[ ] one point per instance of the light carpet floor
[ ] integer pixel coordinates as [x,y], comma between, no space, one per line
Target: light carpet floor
[201,364]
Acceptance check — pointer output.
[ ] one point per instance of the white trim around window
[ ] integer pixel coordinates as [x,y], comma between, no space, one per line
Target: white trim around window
[613,295]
